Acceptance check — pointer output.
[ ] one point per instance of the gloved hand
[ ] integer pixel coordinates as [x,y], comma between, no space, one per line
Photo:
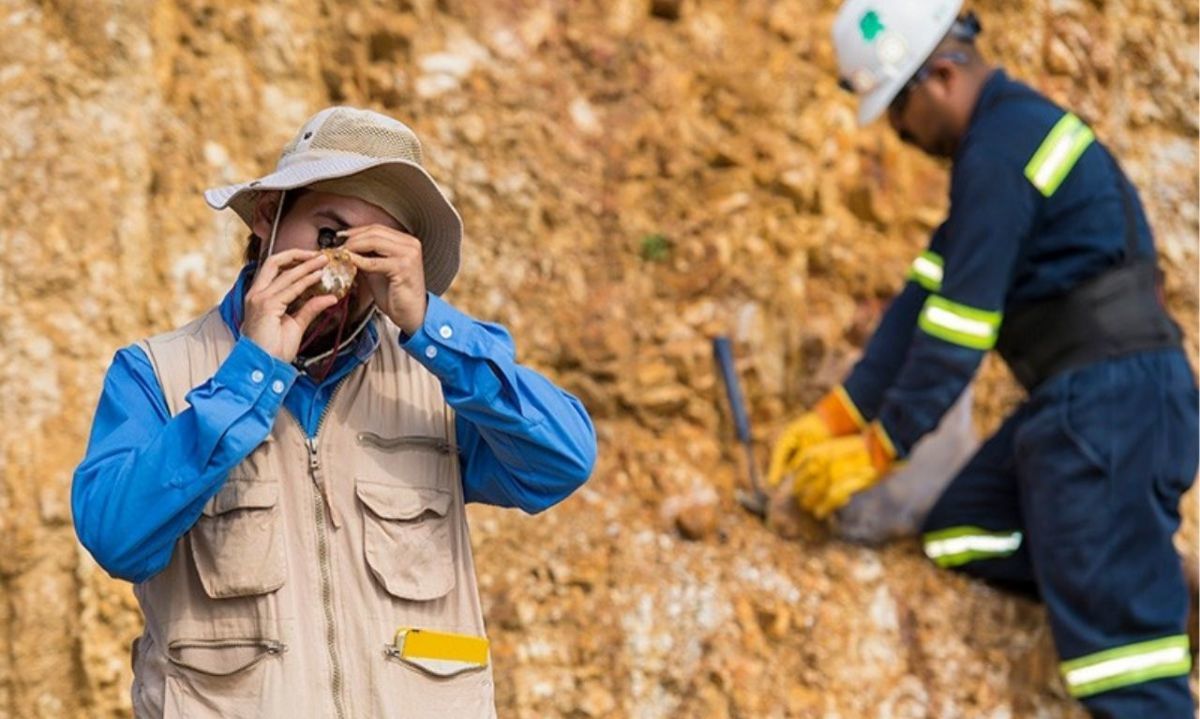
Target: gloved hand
[828,474]
[834,416]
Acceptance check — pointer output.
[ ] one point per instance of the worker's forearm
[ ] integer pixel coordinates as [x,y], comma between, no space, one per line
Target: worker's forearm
[885,352]
[932,379]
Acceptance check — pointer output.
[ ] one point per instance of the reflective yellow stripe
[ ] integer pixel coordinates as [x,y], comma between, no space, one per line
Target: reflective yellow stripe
[955,546]
[1058,153]
[441,646]
[959,324]
[1130,664]
[884,440]
[926,271]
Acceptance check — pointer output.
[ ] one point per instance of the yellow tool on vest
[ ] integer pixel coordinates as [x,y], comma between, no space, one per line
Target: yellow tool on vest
[452,653]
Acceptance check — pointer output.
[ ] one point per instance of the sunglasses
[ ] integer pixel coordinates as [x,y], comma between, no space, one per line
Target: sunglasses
[921,75]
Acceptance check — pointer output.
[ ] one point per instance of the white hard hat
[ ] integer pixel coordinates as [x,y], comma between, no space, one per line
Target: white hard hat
[882,43]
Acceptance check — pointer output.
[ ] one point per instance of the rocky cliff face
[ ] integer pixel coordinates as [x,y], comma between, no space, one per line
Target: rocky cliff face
[635,177]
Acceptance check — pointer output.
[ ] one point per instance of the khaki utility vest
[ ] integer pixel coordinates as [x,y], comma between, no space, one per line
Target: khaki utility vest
[285,598]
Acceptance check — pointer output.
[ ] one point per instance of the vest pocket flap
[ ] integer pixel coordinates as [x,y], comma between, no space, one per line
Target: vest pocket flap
[403,503]
[407,539]
[221,657]
[240,493]
[238,542]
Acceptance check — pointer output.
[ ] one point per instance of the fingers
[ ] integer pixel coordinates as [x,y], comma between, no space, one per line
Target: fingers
[836,495]
[808,476]
[811,485]
[370,264]
[828,475]
[312,309]
[390,253]
[274,264]
[289,292]
[797,438]
[823,509]
[781,456]
[815,474]
[839,495]
[282,285]
[279,289]
[381,243]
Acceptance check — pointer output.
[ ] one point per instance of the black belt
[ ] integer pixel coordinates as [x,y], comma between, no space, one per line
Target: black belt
[1115,314]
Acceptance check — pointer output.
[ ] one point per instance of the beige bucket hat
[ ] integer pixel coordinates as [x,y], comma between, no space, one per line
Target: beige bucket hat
[363,154]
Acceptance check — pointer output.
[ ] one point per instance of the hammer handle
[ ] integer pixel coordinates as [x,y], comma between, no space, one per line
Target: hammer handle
[723,352]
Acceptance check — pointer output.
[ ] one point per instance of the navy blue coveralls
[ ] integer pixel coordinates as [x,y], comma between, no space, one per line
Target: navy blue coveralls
[1076,497]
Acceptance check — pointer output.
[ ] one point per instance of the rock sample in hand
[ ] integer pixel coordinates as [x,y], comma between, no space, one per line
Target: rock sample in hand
[337,278]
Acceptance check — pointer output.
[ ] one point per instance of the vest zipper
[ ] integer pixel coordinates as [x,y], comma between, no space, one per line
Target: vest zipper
[321,504]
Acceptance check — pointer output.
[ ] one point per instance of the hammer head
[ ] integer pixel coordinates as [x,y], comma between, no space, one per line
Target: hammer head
[754,502]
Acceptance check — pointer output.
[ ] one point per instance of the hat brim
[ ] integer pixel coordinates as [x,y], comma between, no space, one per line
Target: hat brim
[417,201]
[876,103]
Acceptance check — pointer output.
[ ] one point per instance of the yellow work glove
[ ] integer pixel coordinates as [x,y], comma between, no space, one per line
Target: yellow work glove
[828,474]
[834,416]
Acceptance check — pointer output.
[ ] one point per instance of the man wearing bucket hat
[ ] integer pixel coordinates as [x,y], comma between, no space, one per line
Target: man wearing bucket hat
[284,479]
[1047,256]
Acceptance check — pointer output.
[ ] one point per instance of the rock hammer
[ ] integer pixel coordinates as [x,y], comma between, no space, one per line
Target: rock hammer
[756,500]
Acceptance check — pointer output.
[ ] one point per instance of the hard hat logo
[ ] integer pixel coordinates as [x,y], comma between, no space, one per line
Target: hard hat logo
[863,81]
[871,25]
[892,51]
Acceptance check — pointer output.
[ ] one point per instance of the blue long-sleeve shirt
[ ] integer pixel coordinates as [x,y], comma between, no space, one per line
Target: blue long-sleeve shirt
[1036,208]
[146,475]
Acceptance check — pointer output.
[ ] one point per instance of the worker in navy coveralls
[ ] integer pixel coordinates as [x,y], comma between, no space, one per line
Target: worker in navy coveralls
[1046,256]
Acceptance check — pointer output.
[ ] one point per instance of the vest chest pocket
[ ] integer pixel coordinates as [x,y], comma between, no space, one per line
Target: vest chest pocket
[407,539]
[237,543]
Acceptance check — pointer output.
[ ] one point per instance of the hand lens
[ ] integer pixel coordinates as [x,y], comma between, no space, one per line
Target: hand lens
[328,238]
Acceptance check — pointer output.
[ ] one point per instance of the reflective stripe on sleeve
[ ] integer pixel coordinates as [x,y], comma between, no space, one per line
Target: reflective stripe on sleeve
[1058,153]
[959,324]
[1130,664]
[955,546]
[926,271]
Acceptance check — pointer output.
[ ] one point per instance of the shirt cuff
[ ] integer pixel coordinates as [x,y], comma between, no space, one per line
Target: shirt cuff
[254,374]
[900,449]
[445,334]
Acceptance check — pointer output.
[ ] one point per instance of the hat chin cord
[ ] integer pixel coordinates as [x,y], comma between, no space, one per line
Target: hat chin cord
[325,321]
[262,258]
